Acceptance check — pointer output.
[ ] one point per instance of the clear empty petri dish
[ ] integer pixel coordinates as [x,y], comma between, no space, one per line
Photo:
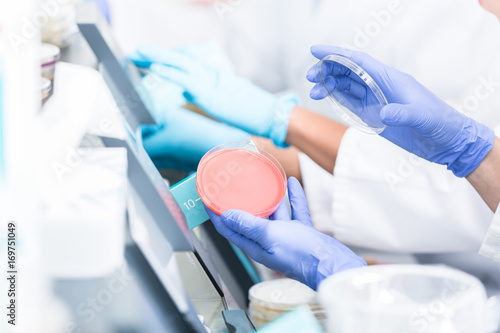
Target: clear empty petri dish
[240,176]
[352,93]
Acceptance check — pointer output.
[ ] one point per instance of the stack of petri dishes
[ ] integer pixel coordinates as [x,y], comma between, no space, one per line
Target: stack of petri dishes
[49,56]
[45,89]
[270,299]
[60,27]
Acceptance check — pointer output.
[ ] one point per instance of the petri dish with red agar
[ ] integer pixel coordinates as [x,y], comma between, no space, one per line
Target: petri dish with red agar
[241,176]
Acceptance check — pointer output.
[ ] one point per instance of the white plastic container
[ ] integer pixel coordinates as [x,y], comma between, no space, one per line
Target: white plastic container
[84,217]
[407,298]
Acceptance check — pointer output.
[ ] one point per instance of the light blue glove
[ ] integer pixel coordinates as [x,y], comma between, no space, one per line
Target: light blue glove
[103,7]
[184,137]
[417,120]
[222,94]
[292,247]
[208,52]
[160,96]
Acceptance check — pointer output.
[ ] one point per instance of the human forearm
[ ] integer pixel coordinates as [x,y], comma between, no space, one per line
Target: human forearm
[288,157]
[315,135]
[486,177]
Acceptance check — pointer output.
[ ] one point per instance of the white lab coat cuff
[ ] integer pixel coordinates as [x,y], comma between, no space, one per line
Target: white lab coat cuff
[491,244]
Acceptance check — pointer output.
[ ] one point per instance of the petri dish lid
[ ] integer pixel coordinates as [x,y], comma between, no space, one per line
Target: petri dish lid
[352,93]
[49,54]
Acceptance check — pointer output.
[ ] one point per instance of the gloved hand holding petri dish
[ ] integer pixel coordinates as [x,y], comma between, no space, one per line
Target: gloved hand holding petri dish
[351,92]
[417,120]
[241,176]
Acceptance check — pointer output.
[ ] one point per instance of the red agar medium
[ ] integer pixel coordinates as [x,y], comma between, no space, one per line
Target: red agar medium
[238,178]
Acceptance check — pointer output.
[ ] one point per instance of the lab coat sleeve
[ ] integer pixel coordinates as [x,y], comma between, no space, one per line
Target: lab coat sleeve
[491,244]
[384,198]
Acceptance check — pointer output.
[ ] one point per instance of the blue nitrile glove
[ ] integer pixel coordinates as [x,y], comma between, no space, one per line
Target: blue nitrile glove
[417,120]
[184,137]
[289,245]
[222,94]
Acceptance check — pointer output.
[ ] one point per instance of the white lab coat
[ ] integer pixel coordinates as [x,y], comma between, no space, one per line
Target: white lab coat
[491,244]
[385,198]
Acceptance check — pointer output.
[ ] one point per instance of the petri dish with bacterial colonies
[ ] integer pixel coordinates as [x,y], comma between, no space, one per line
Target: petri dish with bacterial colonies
[241,176]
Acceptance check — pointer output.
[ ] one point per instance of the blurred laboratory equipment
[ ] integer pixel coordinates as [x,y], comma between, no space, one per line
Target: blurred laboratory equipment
[407,298]
[271,299]
[45,89]
[49,55]
[59,26]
